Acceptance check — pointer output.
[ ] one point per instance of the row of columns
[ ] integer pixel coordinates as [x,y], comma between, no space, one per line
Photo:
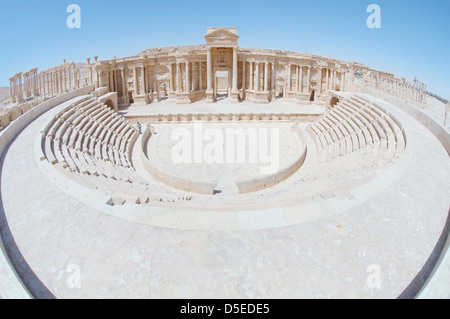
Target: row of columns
[16,88]
[189,80]
[30,82]
[61,80]
[256,70]
[331,79]
[260,74]
[410,92]
[23,83]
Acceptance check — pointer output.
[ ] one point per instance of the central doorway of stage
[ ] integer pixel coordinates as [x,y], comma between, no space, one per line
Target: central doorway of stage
[222,84]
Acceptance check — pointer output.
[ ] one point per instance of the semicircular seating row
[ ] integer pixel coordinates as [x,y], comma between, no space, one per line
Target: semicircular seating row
[355,142]
[353,139]
[94,144]
[353,124]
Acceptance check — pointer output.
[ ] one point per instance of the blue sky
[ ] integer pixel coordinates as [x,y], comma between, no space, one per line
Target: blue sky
[413,39]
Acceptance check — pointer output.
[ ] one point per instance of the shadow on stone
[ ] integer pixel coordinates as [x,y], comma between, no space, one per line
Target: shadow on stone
[36,288]
[421,278]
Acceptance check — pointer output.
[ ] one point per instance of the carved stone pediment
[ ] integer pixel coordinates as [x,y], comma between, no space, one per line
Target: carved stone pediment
[222,36]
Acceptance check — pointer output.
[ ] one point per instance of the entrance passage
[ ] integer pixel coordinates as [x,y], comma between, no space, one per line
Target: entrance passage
[222,85]
[313,95]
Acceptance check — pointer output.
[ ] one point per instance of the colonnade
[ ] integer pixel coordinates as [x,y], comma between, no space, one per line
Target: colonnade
[410,92]
[16,88]
[186,76]
[189,77]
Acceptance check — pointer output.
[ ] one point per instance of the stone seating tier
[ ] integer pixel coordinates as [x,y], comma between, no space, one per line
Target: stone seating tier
[354,124]
[90,139]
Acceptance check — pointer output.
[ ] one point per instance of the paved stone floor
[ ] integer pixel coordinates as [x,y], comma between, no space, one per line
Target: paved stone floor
[64,248]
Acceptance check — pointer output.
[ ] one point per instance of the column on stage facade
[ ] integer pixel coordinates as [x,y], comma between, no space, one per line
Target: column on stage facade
[266,76]
[257,82]
[251,80]
[309,80]
[243,75]
[300,88]
[209,89]
[200,77]
[319,80]
[273,81]
[289,78]
[178,77]
[234,90]
[188,77]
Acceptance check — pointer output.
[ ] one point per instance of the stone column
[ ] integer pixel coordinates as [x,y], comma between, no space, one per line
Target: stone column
[145,79]
[38,85]
[422,95]
[65,83]
[25,75]
[11,90]
[342,81]
[170,77]
[251,84]
[14,85]
[71,79]
[319,80]
[273,84]
[20,91]
[257,82]
[90,70]
[61,80]
[301,79]
[194,77]
[188,77]
[200,78]
[209,89]
[266,76]
[124,87]
[42,85]
[135,82]
[142,83]
[46,85]
[333,76]
[288,89]
[54,84]
[179,87]
[297,86]
[234,90]
[327,82]
[309,80]
[243,76]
